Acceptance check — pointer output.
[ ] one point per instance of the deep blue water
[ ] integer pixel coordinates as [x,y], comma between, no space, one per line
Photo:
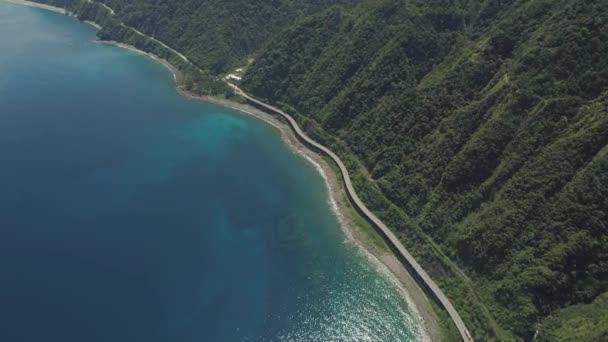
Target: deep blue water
[130,213]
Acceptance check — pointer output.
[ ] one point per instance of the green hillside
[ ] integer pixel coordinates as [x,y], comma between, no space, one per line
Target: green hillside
[215,33]
[485,123]
[583,322]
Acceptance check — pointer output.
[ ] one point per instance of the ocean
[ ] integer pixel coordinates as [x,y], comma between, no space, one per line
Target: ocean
[131,213]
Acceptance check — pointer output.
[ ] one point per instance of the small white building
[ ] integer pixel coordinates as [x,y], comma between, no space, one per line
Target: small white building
[233,77]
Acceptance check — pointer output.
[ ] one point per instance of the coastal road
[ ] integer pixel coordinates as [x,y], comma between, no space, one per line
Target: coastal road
[414,266]
[161,43]
[180,55]
[102,4]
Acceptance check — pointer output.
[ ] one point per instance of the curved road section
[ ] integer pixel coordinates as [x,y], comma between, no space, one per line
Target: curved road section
[405,256]
[141,33]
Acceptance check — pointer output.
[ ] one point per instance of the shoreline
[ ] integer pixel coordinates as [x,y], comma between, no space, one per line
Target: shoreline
[94,24]
[39,5]
[386,262]
[176,74]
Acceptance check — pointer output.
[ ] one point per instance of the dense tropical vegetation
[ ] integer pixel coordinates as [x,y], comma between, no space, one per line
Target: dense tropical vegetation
[485,123]
[216,35]
[477,129]
[582,322]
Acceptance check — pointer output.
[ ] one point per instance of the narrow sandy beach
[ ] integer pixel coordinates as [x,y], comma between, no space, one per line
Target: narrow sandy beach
[416,298]
[37,5]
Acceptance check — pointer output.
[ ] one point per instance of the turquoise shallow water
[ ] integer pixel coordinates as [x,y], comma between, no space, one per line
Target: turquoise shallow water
[130,213]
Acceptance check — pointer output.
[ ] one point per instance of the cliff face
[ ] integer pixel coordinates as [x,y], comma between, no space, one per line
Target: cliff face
[485,122]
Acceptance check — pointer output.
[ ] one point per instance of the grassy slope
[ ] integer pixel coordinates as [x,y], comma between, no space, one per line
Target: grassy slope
[583,322]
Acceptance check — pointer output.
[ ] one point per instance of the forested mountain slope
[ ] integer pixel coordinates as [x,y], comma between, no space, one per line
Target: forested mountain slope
[485,122]
[215,34]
